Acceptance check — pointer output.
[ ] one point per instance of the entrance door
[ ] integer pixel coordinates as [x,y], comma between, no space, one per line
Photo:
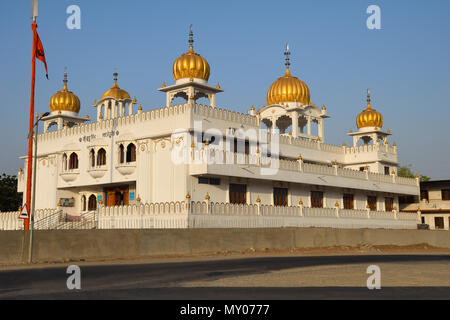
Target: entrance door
[117,196]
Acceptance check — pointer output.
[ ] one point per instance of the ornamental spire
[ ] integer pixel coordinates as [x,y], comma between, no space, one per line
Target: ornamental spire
[65,81]
[368,99]
[116,76]
[191,39]
[287,53]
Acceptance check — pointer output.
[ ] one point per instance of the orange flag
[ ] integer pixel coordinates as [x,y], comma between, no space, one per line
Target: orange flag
[40,54]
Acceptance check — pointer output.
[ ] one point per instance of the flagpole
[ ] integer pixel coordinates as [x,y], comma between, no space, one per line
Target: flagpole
[31,131]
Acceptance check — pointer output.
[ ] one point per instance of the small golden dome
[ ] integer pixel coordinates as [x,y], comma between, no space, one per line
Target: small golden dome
[115,92]
[288,88]
[191,65]
[64,100]
[369,117]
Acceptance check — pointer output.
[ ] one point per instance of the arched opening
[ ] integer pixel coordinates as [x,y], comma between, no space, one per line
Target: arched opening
[73,161]
[284,123]
[179,98]
[302,123]
[92,203]
[83,203]
[121,154]
[92,158]
[101,157]
[364,141]
[131,153]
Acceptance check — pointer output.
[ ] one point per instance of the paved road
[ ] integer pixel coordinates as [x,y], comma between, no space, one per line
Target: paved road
[168,280]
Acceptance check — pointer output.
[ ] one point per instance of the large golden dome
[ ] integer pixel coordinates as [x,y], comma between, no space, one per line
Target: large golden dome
[369,117]
[65,100]
[191,65]
[288,88]
[115,92]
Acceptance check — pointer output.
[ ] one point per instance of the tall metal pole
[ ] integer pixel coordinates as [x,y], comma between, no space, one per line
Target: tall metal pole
[33,192]
[30,138]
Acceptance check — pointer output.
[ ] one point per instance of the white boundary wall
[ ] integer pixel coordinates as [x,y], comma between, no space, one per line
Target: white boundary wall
[179,215]
[182,215]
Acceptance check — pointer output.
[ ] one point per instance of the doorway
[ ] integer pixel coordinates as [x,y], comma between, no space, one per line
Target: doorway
[117,196]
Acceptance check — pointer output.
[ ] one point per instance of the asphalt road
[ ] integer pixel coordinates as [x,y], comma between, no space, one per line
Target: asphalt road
[165,281]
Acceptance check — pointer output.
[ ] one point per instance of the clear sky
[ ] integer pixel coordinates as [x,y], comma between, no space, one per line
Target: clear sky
[406,63]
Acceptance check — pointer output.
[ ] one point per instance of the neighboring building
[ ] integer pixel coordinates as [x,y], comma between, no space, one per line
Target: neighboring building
[125,157]
[433,203]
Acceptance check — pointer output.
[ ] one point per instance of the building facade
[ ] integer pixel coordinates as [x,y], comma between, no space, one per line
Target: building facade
[433,204]
[276,155]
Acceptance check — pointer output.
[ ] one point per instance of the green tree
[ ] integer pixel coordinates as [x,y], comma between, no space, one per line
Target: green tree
[10,199]
[406,172]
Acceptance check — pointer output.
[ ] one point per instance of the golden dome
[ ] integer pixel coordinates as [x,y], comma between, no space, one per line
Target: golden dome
[191,65]
[288,88]
[65,100]
[115,92]
[369,117]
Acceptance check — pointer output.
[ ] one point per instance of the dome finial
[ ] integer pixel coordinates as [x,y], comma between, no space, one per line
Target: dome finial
[287,53]
[191,39]
[65,81]
[368,99]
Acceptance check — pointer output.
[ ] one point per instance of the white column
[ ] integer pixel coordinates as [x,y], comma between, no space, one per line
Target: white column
[309,126]
[114,109]
[294,118]
[99,111]
[274,125]
[130,108]
[213,100]
[321,131]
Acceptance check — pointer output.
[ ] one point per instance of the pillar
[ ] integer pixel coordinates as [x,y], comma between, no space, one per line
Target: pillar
[294,118]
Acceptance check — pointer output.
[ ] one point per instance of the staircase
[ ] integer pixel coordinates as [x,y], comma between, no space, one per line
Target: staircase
[59,221]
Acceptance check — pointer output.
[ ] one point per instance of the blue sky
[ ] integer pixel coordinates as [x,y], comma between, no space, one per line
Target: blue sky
[406,64]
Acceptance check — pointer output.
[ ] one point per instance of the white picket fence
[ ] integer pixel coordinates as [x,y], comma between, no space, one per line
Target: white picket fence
[182,215]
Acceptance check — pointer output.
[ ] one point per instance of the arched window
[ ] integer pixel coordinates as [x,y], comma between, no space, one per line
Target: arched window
[73,161]
[92,158]
[121,154]
[101,157]
[64,162]
[83,203]
[92,203]
[131,153]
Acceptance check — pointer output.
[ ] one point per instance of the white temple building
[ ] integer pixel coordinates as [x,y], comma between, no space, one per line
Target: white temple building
[129,156]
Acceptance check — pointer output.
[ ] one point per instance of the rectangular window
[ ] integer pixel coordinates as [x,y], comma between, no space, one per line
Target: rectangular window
[372,202]
[389,204]
[424,195]
[214,182]
[387,171]
[211,181]
[446,194]
[362,169]
[439,223]
[348,202]
[316,199]
[280,197]
[238,193]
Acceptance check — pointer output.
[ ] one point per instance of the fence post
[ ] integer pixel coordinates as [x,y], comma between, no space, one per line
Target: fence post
[258,203]
[300,163]
[395,213]
[335,165]
[393,176]
[368,211]
[300,205]
[337,209]
[207,200]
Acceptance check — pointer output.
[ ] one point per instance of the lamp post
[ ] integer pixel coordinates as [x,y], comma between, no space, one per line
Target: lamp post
[34,133]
